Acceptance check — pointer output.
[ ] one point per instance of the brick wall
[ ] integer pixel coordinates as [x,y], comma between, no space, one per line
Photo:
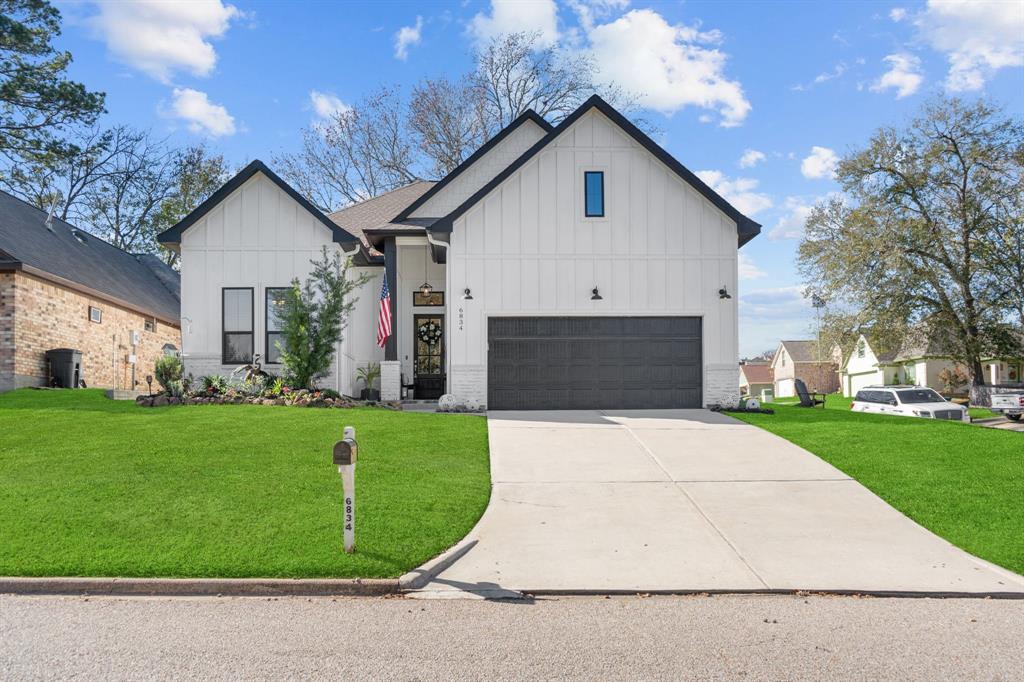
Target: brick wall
[47,315]
[469,382]
[819,377]
[721,385]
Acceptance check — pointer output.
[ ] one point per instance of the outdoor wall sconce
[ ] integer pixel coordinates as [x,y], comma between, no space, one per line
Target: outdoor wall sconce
[467,295]
[724,293]
[595,296]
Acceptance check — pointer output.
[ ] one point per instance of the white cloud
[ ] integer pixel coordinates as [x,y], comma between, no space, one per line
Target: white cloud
[774,304]
[325,105]
[904,75]
[407,36]
[202,115]
[668,66]
[979,37]
[750,158]
[824,77]
[898,14]
[791,224]
[589,10]
[160,38]
[513,16]
[737,191]
[821,163]
[747,270]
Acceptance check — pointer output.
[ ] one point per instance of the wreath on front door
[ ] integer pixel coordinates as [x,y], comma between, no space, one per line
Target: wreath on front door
[429,333]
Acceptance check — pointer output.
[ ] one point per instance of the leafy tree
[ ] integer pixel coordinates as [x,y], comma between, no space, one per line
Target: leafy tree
[197,173]
[36,99]
[908,241]
[313,317]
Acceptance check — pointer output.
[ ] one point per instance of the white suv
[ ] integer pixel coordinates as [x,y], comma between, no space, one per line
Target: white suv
[907,401]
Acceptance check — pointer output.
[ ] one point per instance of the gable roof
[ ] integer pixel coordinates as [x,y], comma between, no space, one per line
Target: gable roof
[757,372]
[380,210]
[746,228]
[528,115]
[925,341]
[77,259]
[804,351]
[173,234]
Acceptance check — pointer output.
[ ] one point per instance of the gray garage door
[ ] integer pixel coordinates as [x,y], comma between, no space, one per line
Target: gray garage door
[580,363]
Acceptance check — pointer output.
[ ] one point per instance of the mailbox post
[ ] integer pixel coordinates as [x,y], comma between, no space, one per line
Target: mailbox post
[345,451]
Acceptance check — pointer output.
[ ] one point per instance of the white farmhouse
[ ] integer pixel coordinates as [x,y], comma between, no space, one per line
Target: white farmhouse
[576,266]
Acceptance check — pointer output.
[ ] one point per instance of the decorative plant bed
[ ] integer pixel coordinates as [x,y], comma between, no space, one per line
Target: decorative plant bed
[297,398]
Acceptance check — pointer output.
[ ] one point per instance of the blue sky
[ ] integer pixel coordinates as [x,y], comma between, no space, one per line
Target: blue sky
[759,98]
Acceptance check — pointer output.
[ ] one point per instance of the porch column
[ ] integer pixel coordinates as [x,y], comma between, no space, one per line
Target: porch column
[391,272]
[391,368]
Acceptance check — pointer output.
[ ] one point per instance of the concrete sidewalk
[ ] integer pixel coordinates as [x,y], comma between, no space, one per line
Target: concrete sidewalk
[689,500]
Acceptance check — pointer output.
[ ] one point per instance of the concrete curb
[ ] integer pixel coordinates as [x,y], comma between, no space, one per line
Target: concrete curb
[880,594]
[192,587]
[419,577]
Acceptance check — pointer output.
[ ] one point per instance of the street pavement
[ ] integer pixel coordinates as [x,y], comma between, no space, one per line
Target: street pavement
[688,500]
[751,637]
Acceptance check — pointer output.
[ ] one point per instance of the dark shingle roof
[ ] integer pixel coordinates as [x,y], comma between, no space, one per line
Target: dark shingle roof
[380,210]
[142,282]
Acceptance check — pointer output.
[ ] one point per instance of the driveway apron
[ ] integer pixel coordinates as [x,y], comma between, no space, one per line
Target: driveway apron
[688,500]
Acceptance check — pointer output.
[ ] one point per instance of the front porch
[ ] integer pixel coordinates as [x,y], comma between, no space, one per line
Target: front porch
[415,355]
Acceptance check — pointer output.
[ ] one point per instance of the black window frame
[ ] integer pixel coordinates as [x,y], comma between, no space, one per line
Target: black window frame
[224,359]
[267,331]
[586,204]
[149,324]
[417,292]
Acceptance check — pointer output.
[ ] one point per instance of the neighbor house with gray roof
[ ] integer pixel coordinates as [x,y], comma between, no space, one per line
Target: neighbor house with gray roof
[62,287]
[804,360]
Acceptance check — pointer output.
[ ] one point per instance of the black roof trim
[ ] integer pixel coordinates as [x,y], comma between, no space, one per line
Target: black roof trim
[746,228]
[173,234]
[528,115]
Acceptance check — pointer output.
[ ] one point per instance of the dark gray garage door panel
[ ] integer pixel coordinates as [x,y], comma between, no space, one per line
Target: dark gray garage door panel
[577,363]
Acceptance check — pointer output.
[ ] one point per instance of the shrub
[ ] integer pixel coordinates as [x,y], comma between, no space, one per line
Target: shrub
[214,383]
[168,369]
[312,319]
[369,374]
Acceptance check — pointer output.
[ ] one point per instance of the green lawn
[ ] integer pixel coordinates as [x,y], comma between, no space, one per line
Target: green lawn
[94,487]
[838,402]
[963,482]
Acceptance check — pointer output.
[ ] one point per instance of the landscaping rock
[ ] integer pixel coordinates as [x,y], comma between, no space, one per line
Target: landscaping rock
[160,401]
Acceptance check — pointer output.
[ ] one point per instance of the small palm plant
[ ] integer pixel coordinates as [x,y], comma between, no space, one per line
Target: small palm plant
[368,375]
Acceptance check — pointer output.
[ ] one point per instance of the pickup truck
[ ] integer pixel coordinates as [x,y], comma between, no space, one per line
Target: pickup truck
[1011,405]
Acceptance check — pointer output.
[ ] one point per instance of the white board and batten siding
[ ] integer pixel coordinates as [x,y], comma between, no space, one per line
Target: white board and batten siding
[259,237]
[527,249]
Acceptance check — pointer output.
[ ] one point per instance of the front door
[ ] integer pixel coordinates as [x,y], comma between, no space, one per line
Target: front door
[428,360]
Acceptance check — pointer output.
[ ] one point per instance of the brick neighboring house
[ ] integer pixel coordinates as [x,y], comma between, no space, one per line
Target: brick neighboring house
[64,288]
[800,360]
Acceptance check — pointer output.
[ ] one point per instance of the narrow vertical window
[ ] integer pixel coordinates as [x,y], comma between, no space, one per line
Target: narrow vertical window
[275,305]
[593,188]
[237,321]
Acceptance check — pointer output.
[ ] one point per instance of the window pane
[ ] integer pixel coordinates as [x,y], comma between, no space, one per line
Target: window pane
[237,347]
[275,304]
[594,184]
[273,354]
[238,310]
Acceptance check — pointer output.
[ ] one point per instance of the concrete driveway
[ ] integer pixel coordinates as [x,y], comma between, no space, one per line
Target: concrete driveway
[688,500]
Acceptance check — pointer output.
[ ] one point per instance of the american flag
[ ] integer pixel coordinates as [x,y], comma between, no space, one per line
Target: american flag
[384,316]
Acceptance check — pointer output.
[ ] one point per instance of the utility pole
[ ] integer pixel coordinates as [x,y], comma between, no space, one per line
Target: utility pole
[818,302]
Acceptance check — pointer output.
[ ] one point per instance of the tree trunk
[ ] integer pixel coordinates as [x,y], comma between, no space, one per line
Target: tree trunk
[979,396]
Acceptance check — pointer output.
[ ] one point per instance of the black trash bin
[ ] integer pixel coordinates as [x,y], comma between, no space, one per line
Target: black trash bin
[65,367]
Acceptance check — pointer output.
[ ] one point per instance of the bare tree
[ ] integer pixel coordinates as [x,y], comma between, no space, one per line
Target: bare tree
[122,206]
[448,121]
[357,154]
[513,74]
[386,141]
[61,180]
